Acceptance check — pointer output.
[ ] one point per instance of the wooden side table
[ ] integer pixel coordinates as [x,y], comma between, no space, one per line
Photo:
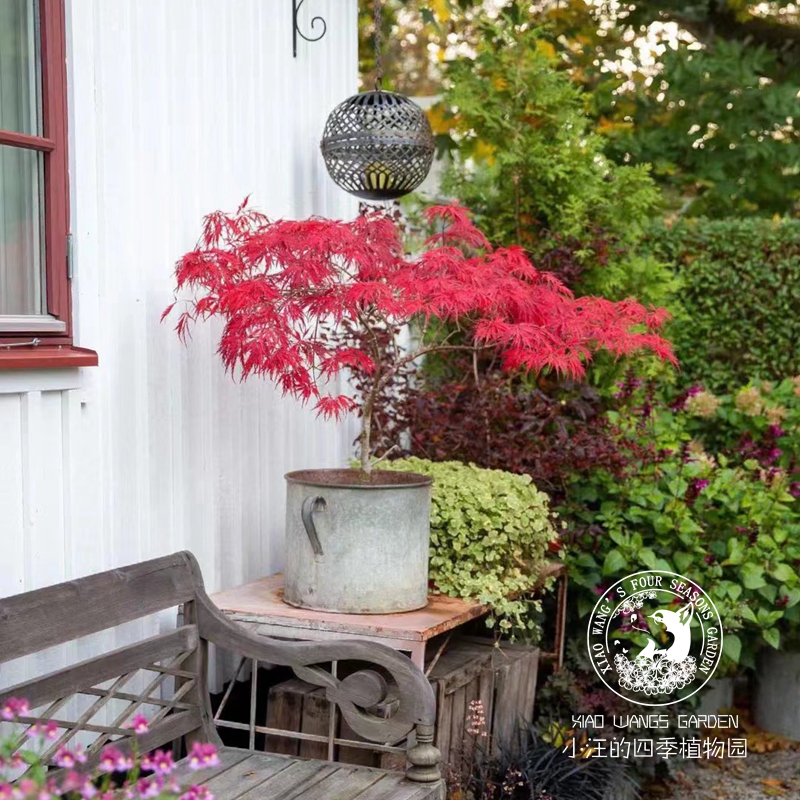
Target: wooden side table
[259,606]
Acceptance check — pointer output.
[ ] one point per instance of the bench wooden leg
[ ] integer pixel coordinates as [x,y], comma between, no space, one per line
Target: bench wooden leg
[424,759]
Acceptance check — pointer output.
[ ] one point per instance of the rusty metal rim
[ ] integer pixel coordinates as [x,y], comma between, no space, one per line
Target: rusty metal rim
[354,479]
[357,612]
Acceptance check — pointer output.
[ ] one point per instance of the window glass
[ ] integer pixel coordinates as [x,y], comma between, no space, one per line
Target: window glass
[21,247]
[20,72]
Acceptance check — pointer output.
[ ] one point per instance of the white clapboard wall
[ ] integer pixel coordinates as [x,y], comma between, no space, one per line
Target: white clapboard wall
[177,108]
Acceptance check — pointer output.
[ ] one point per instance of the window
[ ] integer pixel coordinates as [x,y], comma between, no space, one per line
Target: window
[34,274]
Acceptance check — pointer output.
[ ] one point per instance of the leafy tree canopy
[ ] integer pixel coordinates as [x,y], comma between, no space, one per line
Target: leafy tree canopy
[707,92]
[526,159]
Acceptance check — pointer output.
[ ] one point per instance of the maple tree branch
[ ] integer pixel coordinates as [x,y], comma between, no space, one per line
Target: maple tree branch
[389,327]
[385,455]
[475,367]
[441,349]
[424,330]
[390,372]
[376,348]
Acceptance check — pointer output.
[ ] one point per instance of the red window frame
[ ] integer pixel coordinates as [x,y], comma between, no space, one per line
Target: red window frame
[53,145]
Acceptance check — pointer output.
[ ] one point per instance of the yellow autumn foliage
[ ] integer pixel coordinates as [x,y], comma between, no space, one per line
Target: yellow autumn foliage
[484,151]
[442,10]
[546,49]
[441,121]
[609,127]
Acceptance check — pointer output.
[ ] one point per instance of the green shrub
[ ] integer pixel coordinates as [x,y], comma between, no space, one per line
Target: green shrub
[490,531]
[759,421]
[717,504]
[527,162]
[740,315]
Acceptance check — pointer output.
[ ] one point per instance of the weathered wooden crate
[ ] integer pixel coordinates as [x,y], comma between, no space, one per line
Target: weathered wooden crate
[297,706]
[502,678]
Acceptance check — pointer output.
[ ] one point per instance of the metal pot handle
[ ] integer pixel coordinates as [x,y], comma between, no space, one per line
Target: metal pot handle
[310,505]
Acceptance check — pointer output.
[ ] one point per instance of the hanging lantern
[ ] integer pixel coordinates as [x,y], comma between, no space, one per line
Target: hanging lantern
[378,145]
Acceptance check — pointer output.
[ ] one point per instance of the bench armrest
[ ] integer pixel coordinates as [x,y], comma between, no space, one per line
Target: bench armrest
[355,694]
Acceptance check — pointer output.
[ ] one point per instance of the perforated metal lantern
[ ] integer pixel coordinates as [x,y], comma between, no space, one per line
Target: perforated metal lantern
[378,145]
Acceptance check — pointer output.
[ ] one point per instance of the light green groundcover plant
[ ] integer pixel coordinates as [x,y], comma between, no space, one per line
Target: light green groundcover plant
[490,532]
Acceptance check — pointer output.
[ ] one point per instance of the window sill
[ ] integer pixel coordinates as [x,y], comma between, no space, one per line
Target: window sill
[46,357]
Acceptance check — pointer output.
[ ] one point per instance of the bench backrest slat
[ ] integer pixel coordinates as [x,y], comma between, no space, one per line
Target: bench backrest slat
[34,621]
[91,672]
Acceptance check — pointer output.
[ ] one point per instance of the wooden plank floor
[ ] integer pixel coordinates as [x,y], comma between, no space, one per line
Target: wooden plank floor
[242,775]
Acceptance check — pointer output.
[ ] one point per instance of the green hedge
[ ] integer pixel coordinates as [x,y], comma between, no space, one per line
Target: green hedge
[739,314]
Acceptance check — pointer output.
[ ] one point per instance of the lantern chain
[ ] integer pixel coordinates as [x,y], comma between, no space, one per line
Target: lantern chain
[377,145]
[378,45]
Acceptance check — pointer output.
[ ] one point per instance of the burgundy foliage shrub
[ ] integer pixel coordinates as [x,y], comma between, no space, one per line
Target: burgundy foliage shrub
[546,430]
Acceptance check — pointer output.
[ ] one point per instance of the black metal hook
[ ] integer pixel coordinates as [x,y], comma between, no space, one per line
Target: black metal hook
[296,28]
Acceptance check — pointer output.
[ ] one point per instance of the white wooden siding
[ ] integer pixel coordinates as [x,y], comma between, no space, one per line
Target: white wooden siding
[177,108]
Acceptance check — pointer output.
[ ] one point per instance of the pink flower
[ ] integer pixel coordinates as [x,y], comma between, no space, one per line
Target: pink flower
[48,730]
[159,762]
[88,790]
[197,793]
[73,782]
[49,791]
[13,708]
[6,791]
[139,724]
[69,758]
[26,788]
[147,788]
[113,760]
[108,760]
[14,761]
[203,755]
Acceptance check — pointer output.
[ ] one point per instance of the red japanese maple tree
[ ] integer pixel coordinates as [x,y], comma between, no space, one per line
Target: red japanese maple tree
[303,301]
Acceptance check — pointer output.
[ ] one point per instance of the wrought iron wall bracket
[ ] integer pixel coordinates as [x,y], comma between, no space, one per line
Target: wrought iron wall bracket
[296,4]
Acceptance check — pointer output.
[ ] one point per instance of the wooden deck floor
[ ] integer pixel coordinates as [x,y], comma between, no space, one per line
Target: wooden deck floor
[264,776]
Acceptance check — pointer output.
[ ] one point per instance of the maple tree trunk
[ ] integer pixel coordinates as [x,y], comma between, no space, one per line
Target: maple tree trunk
[364,440]
[363,444]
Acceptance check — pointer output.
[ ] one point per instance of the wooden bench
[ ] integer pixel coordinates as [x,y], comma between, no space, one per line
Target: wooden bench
[93,700]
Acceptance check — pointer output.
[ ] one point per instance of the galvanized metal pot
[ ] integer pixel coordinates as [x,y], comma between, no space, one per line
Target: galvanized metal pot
[777,696]
[357,544]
